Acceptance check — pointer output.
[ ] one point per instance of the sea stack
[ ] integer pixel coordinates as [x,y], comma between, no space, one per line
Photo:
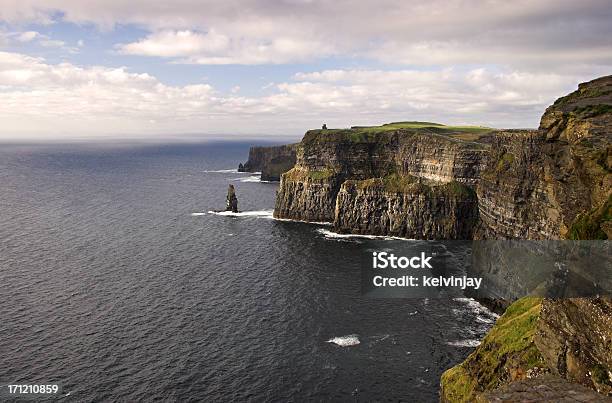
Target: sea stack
[232,200]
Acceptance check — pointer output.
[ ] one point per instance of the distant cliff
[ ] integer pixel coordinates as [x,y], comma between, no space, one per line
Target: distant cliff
[413,179]
[271,161]
[430,181]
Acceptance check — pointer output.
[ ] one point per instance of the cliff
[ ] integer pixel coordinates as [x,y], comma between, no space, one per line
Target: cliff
[430,181]
[550,183]
[406,206]
[271,161]
[506,354]
[363,179]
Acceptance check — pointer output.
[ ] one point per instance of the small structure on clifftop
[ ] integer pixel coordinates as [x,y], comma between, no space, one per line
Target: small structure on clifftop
[324,127]
[231,200]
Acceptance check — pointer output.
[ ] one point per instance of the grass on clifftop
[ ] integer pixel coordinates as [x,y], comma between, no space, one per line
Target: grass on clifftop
[506,353]
[366,134]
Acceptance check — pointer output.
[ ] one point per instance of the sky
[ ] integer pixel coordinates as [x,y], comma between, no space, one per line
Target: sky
[236,69]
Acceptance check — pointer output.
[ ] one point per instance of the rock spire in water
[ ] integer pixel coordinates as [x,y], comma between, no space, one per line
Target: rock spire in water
[231,200]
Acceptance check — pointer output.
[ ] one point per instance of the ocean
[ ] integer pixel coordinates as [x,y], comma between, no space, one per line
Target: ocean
[121,283]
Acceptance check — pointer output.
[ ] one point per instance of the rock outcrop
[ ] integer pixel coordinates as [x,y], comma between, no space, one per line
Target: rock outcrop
[506,354]
[272,161]
[381,180]
[231,202]
[574,337]
[553,182]
[543,389]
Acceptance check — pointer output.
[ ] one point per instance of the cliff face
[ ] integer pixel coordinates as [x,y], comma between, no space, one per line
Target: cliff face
[271,161]
[543,184]
[513,200]
[423,181]
[574,337]
[307,195]
[406,206]
[552,183]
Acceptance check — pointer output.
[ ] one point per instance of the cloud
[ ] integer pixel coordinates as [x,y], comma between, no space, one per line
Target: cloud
[40,98]
[27,36]
[67,99]
[523,34]
[176,43]
[50,43]
[215,48]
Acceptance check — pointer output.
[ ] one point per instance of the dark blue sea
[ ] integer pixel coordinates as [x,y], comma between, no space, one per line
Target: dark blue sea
[119,283]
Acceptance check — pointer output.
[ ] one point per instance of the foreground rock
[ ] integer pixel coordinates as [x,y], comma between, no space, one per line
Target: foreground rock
[552,183]
[271,161]
[574,337]
[545,389]
[506,354]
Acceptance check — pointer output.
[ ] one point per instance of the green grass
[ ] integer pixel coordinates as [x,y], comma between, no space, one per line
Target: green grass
[368,134]
[590,111]
[504,162]
[582,93]
[322,174]
[506,352]
[458,189]
[588,226]
[396,183]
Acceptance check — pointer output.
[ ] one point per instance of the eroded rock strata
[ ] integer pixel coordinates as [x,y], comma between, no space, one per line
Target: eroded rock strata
[379,173]
[423,180]
[406,206]
[272,161]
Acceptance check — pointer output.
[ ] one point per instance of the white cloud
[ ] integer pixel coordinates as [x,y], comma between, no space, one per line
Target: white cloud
[215,48]
[27,36]
[50,43]
[523,34]
[177,43]
[63,99]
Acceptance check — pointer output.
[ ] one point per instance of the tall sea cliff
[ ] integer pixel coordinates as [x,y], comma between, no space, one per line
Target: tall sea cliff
[429,181]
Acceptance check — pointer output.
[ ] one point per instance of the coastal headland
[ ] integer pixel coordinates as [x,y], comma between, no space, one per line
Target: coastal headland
[426,180]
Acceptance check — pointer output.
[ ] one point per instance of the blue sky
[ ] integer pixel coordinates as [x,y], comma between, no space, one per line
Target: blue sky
[110,69]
